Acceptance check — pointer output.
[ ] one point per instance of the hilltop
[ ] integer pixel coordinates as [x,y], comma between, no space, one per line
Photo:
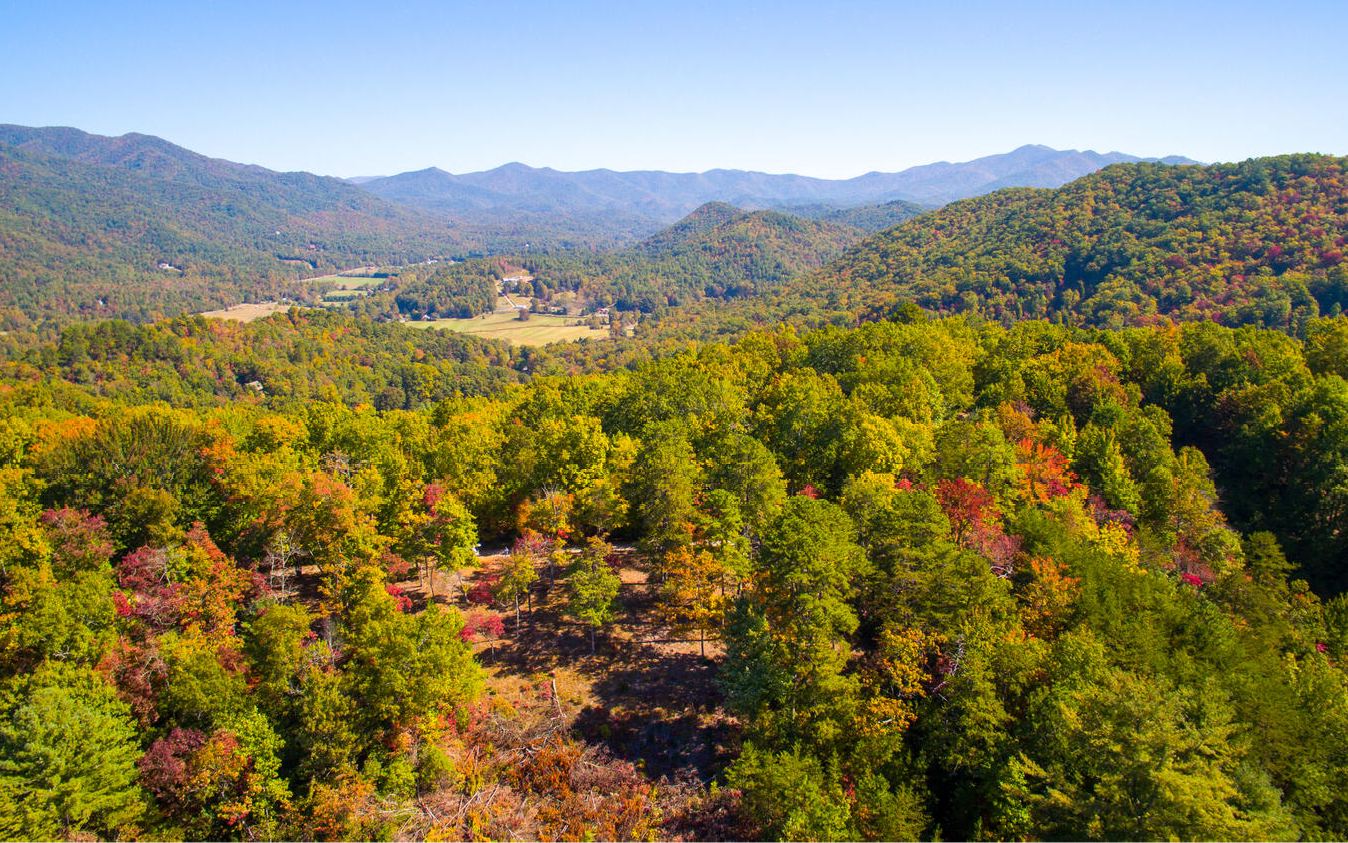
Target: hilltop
[868,218]
[1257,242]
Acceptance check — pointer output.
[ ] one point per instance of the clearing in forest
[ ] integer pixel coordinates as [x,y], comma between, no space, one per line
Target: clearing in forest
[538,329]
[248,312]
[645,694]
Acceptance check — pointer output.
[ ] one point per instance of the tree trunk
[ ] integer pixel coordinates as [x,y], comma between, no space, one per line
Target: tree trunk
[592,641]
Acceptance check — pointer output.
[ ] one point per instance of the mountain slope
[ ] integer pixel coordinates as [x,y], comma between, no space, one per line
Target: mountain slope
[869,218]
[736,252]
[1257,242]
[655,198]
[717,252]
[134,226]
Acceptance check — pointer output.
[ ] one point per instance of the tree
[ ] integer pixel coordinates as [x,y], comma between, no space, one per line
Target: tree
[517,577]
[1104,468]
[593,588]
[451,533]
[68,753]
[788,644]
[401,667]
[693,592]
[743,466]
[485,624]
[439,533]
[790,796]
[57,599]
[220,784]
[276,643]
[969,507]
[666,480]
[1121,758]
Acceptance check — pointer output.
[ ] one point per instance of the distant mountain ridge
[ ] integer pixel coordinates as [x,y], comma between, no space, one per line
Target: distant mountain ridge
[662,198]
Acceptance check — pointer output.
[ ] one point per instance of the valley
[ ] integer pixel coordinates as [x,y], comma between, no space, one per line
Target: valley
[673,422]
[917,505]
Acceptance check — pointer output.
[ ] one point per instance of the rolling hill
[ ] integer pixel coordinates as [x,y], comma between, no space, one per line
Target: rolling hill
[716,252]
[749,246]
[135,227]
[1259,242]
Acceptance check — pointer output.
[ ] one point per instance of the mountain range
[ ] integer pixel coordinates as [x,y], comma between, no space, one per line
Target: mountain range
[658,198]
[135,226]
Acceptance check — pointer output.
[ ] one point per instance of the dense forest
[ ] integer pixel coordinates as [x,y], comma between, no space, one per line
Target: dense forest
[1260,242]
[1023,518]
[952,579]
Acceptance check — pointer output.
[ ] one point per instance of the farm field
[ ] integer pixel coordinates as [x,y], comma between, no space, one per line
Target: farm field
[538,330]
[349,279]
[248,312]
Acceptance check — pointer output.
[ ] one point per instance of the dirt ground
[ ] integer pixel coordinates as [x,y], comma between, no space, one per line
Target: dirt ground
[650,698]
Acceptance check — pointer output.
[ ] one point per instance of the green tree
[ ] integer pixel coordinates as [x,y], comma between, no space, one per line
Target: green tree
[68,753]
[401,667]
[745,468]
[1122,758]
[593,588]
[665,480]
[790,796]
[517,577]
[795,626]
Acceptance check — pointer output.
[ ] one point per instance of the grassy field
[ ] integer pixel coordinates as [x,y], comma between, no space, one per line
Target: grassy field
[350,279]
[247,312]
[342,294]
[538,330]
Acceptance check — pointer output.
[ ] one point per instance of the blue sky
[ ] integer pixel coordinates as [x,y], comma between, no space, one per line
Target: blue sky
[819,88]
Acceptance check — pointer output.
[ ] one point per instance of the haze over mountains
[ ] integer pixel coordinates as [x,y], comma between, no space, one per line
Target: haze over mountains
[662,197]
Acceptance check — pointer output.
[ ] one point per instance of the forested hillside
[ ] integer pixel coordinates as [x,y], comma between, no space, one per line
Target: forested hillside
[870,218]
[1260,242]
[290,359]
[717,252]
[955,579]
[135,227]
[726,253]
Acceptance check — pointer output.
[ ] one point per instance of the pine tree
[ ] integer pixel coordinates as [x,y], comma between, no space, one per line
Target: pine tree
[68,754]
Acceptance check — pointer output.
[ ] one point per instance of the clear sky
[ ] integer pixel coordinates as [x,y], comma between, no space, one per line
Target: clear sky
[821,88]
